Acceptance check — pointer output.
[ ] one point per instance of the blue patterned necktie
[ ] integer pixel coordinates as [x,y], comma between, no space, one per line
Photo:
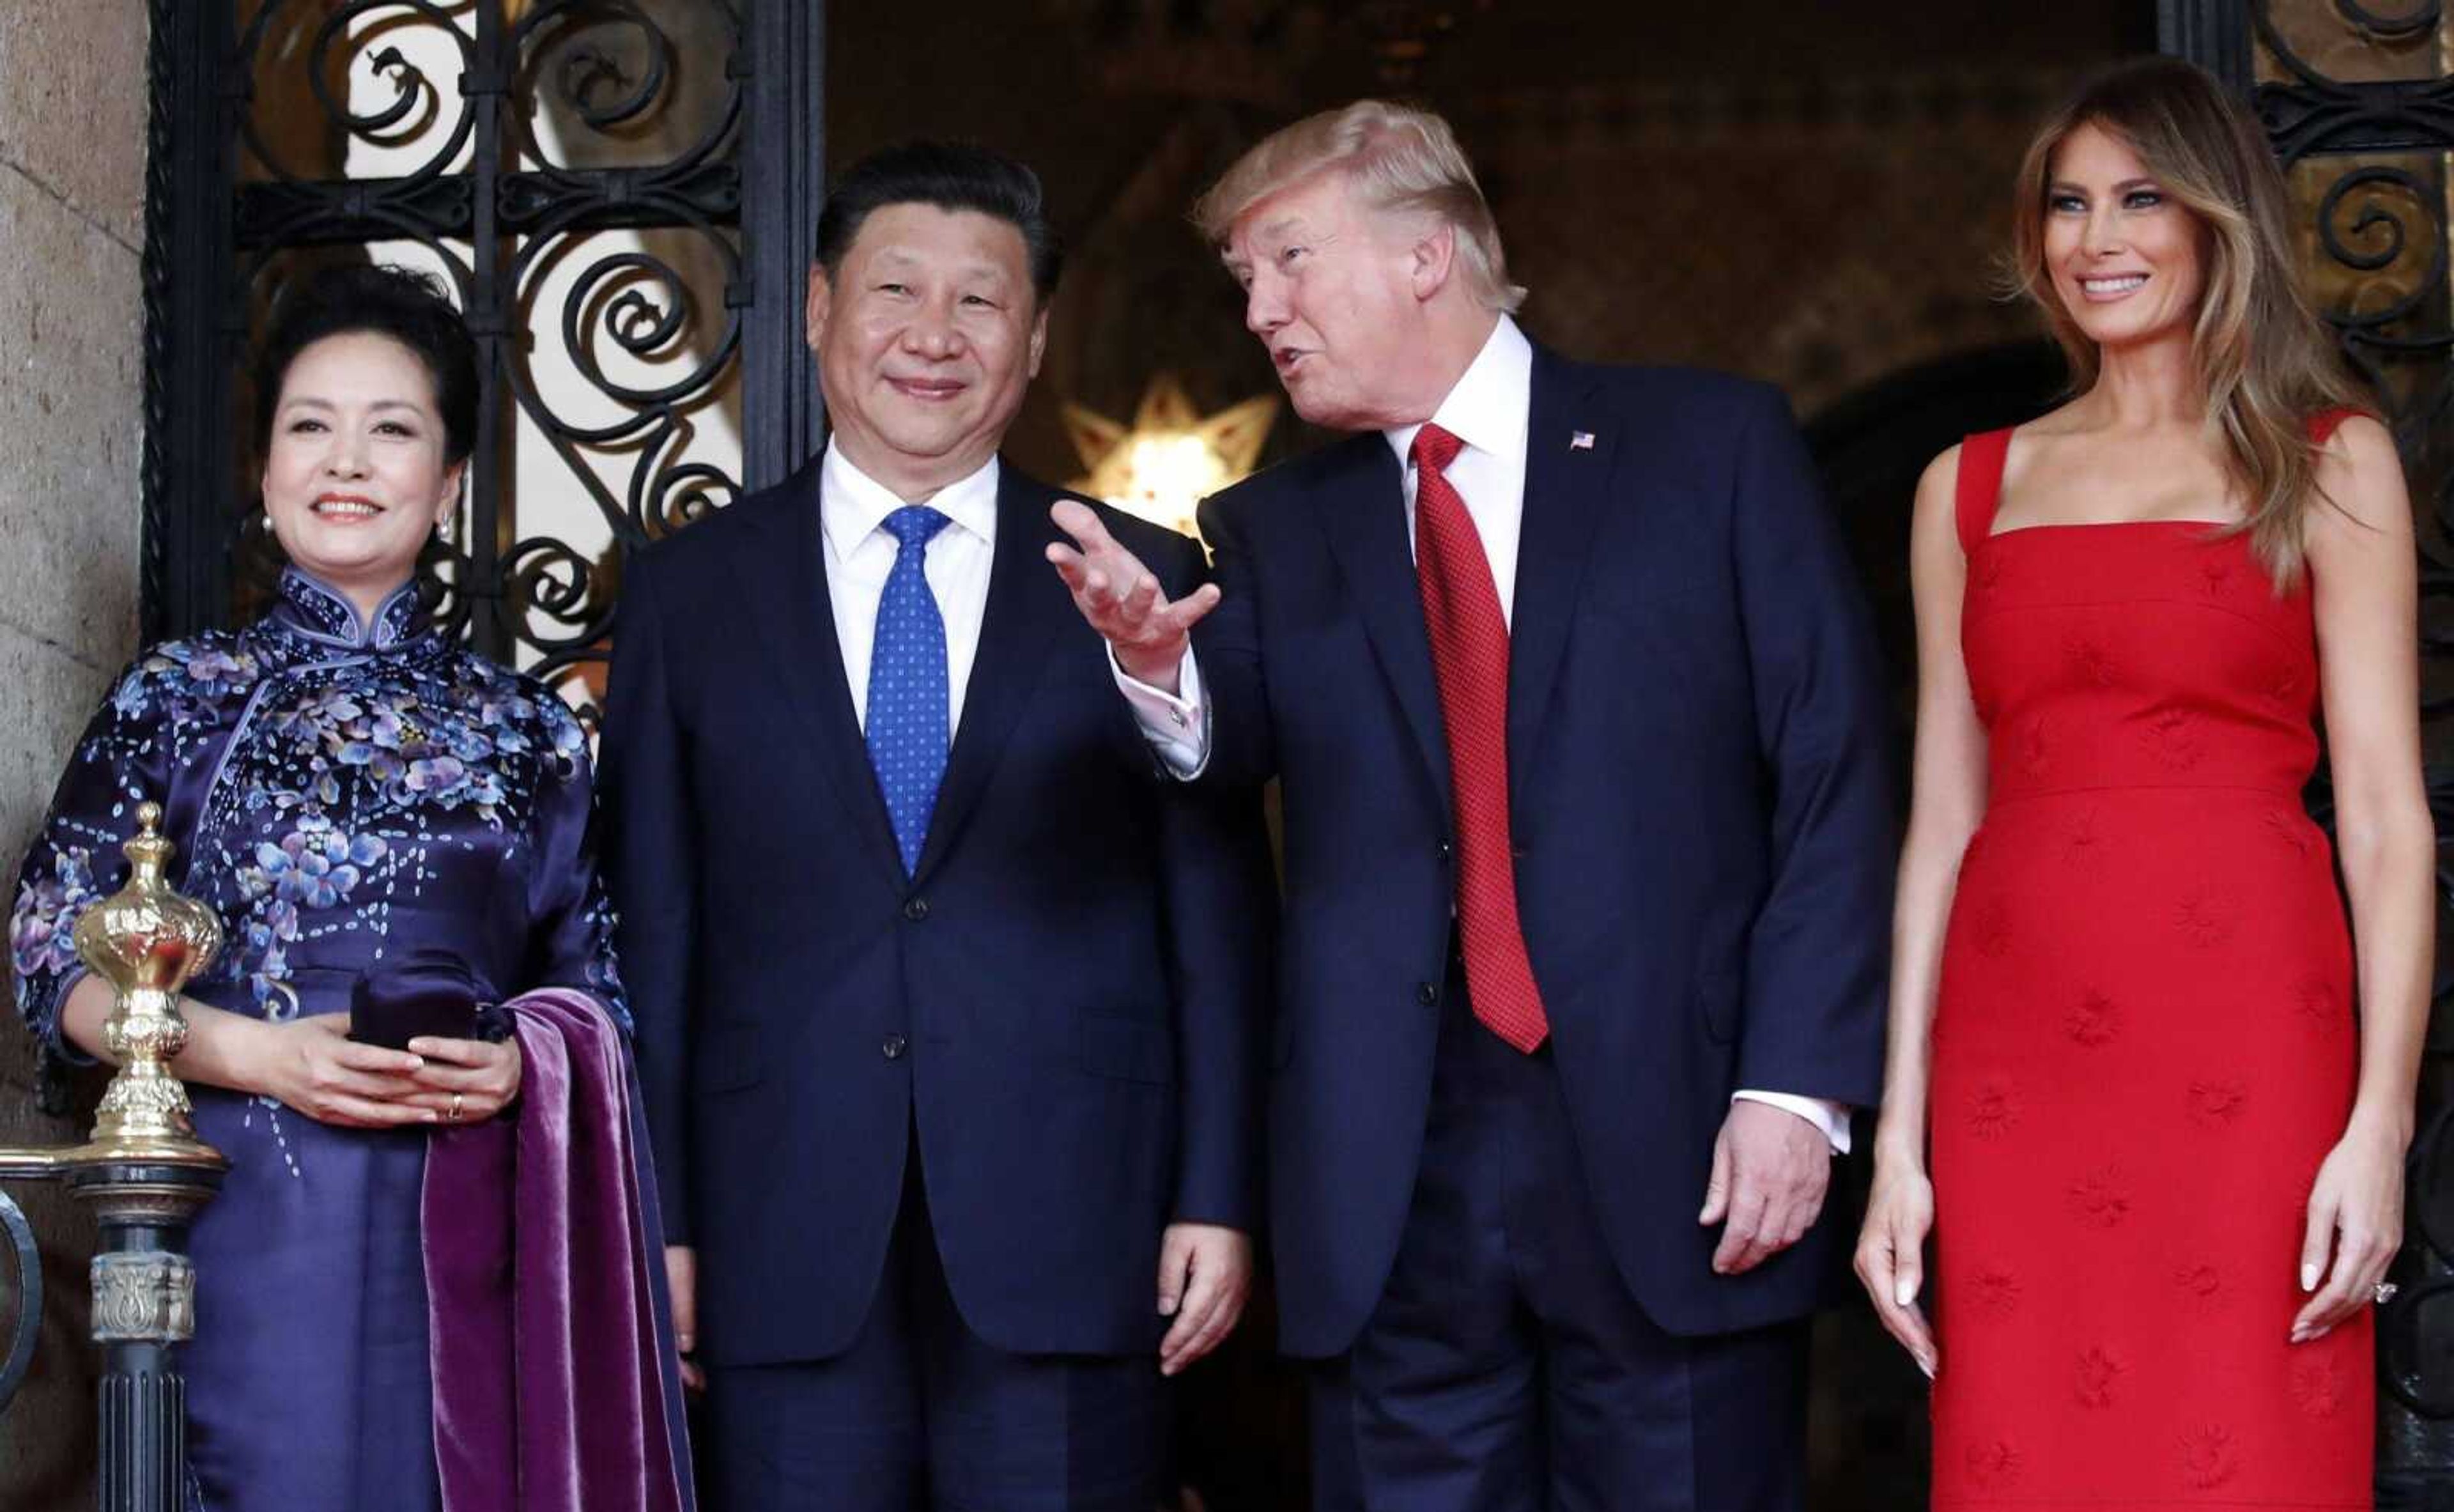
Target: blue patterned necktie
[907,725]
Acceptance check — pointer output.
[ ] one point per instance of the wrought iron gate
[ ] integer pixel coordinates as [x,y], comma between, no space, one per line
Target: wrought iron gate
[622,193]
[2359,102]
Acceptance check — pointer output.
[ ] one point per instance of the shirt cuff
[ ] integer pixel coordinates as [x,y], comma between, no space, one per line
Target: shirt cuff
[1173,723]
[1830,1117]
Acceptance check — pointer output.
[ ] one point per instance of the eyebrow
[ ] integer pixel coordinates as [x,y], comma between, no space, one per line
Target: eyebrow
[318,402]
[2124,187]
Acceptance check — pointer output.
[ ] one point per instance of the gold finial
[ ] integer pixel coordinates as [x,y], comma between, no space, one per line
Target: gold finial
[148,940]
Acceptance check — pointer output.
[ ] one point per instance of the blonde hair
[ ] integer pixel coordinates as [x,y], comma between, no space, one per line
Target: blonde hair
[1398,159]
[2266,363]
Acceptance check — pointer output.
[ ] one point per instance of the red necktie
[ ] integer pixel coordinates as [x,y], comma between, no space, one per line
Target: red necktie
[1470,656]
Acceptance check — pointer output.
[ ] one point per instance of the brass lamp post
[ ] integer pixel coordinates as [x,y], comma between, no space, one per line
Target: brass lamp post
[145,1174]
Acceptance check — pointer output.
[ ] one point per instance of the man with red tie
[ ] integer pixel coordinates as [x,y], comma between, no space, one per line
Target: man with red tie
[1589,834]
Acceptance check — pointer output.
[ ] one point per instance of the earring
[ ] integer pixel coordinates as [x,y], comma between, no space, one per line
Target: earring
[267,519]
[443,528]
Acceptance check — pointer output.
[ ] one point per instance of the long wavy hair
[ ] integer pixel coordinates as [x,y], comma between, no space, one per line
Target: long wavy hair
[2266,363]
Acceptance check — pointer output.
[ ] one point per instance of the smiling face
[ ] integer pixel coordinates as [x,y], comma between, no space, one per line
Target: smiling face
[2127,260]
[928,334]
[355,474]
[1336,290]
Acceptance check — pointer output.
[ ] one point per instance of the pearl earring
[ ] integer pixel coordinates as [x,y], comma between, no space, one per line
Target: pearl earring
[443,528]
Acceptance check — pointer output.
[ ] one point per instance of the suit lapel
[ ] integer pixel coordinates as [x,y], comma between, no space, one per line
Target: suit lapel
[1027,609]
[1567,470]
[783,573]
[1363,510]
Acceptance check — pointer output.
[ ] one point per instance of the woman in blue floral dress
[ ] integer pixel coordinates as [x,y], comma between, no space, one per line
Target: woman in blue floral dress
[347,789]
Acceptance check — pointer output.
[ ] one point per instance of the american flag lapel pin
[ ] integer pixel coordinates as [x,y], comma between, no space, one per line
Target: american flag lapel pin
[1581,440]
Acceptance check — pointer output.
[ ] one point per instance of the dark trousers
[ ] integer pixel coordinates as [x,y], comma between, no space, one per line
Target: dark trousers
[922,1413]
[1508,1369]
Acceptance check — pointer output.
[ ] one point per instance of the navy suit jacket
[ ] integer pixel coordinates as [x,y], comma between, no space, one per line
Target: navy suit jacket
[1701,804]
[1063,999]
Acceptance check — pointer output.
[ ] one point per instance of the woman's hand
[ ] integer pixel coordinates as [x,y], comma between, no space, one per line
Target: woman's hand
[466,1081]
[1891,1253]
[2355,1212]
[311,1064]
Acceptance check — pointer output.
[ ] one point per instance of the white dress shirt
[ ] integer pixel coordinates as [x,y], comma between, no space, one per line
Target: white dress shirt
[1489,411]
[852,510]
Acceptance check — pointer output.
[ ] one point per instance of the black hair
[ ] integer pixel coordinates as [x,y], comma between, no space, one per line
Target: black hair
[952,176]
[406,306]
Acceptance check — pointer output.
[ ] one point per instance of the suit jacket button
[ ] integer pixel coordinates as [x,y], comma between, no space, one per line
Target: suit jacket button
[1447,850]
[916,910]
[894,1046]
[1427,993]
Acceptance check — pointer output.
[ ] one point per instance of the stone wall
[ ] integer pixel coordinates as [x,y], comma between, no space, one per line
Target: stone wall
[72,209]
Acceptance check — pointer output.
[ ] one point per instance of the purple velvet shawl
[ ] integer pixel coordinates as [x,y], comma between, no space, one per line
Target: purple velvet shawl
[556,1387]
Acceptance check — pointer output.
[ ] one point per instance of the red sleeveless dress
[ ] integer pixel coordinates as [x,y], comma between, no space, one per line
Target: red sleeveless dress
[2145,1041]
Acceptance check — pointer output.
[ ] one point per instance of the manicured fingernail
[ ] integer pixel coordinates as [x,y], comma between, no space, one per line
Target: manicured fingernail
[2308,1277]
[1925,1363]
[431,1116]
[1903,1293]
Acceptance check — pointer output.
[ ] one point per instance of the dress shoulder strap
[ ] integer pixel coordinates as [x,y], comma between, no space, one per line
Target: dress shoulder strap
[1980,484]
[2324,425]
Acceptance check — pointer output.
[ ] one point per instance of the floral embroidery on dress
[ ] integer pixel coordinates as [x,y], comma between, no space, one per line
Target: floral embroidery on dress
[2101,1199]
[325,776]
[2096,1377]
[1993,1463]
[2210,1455]
[1997,1289]
[2094,1019]
[2204,916]
[2217,1102]
[2317,1386]
[2202,1286]
[1993,1109]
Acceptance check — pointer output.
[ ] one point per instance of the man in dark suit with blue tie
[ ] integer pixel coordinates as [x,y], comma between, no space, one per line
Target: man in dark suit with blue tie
[946,997]
[1589,840]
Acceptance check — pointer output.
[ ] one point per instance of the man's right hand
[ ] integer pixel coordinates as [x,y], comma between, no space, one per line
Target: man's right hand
[1122,598]
[681,1287]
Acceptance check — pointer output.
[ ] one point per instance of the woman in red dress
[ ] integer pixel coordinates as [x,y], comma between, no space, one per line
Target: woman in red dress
[2149,1088]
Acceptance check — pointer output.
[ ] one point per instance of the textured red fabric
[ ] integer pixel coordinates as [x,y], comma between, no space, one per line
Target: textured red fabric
[2145,1040]
[1470,656]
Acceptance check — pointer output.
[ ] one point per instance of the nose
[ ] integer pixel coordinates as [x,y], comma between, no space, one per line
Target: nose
[348,456]
[1265,304]
[2104,230]
[933,333]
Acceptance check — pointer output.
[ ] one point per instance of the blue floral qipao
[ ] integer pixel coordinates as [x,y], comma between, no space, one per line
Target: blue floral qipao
[341,793]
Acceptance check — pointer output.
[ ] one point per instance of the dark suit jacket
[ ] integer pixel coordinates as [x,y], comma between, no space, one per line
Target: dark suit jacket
[1703,809]
[1063,1001]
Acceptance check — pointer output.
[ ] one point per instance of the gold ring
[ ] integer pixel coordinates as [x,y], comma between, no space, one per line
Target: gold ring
[452,1114]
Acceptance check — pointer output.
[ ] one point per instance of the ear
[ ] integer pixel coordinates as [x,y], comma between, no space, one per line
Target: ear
[1039,339]
[813,312]
[448,498]
[1433,259]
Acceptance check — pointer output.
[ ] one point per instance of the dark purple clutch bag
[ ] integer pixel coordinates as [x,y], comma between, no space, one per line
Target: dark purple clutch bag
[423,992]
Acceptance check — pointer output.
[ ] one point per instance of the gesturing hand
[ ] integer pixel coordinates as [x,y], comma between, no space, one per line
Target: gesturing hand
[1205,1272]
[1123,600]
[313,1065]
[1770,1168]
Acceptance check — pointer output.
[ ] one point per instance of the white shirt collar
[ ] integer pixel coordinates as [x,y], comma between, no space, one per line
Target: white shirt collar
[852,504]
[1489,407]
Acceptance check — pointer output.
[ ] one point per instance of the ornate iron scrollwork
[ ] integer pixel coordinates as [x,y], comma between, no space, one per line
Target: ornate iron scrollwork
[523,163]
[581,172]
[24,1321]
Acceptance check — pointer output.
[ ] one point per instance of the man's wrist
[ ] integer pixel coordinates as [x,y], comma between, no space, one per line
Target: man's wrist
[1153,667]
